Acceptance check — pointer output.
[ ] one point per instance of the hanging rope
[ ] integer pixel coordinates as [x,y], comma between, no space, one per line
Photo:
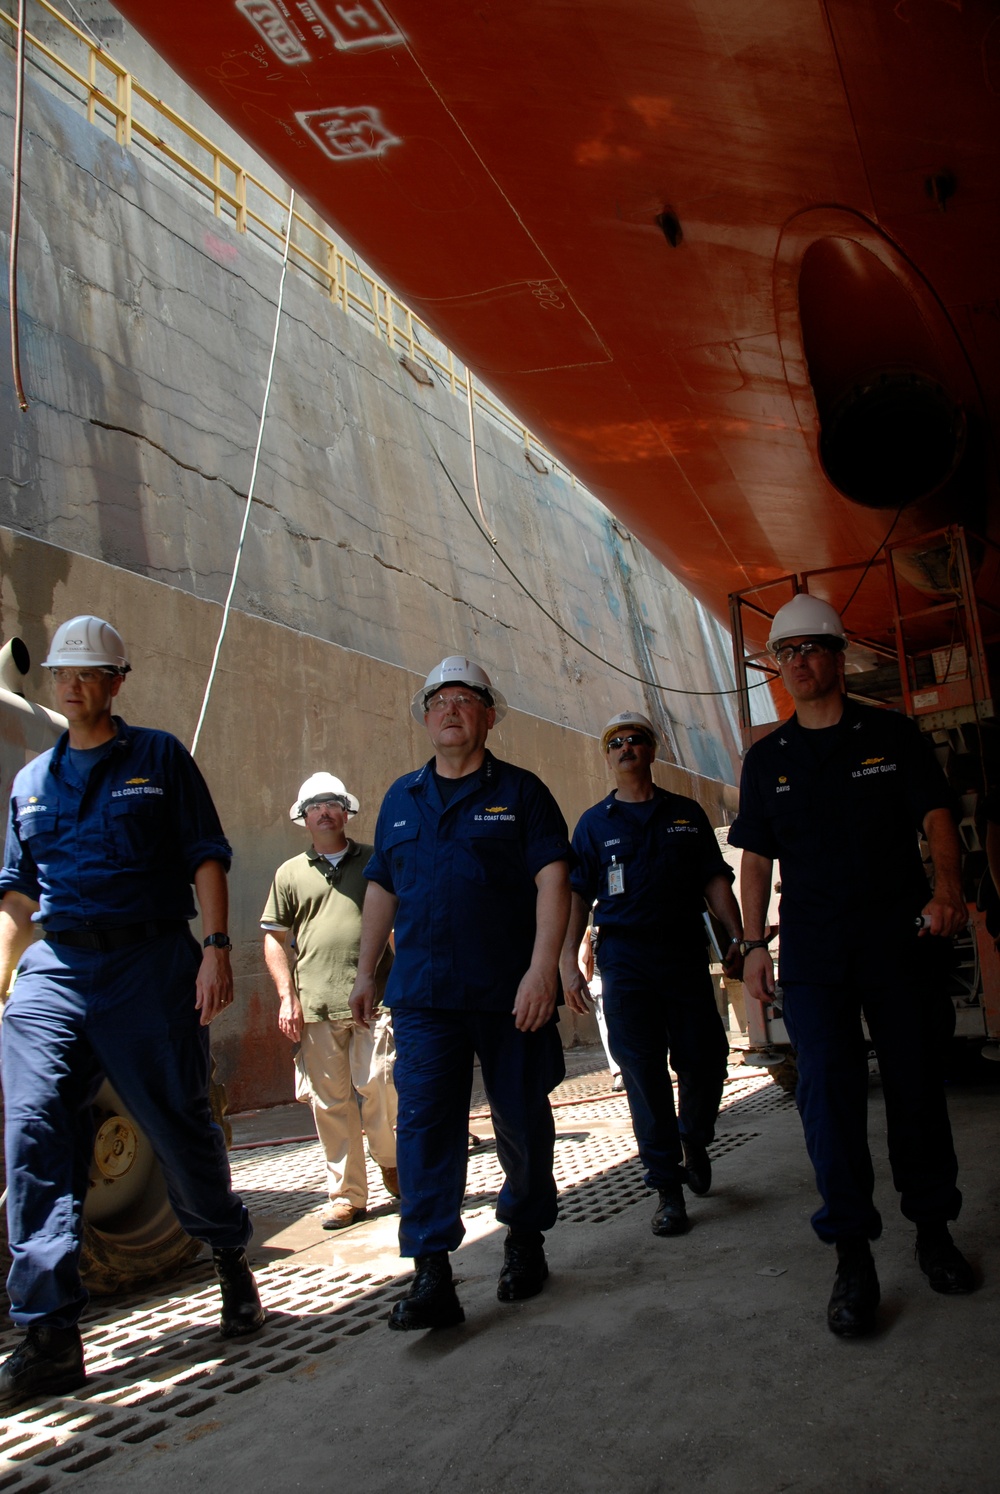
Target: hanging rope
[253,480]
[15,211]
[475,459]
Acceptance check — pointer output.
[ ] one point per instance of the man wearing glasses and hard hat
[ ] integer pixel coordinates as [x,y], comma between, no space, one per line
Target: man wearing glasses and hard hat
[471,866]
[106,834]
[650,862]
[838,795]
[345,1070]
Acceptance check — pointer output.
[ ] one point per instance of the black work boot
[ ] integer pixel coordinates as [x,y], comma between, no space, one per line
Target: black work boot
[671,1215]
[941,1261]
[524,1266]
[697,1167]
[47,1361]
[431,1301]
[241,1309]
[852,1309]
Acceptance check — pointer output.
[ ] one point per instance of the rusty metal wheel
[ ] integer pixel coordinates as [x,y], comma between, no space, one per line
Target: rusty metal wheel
[131,1236]
[786,1074]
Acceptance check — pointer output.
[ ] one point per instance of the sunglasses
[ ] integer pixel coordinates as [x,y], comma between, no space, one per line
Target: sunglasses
[634,739]
[787,651]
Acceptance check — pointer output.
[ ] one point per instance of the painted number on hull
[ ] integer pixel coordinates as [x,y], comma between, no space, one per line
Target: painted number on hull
[269,23]
[353,26]
[360,23]
[348,133]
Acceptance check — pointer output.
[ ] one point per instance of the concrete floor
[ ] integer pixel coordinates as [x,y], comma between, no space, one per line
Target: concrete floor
[699,1363]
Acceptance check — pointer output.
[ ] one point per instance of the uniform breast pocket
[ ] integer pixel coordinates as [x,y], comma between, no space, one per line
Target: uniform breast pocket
[613,858]
[38,832]
[137,830]
[492,852]
[401,854]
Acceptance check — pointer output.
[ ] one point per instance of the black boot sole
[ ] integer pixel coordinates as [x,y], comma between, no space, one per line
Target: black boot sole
[63,1385]
[242,1330]
[402,1321]
[860,1328]
[520,1290]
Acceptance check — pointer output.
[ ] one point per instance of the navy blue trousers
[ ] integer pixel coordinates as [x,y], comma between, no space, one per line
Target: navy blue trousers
[910,1018]
[652,1024]
[435,1050]
[76,1017]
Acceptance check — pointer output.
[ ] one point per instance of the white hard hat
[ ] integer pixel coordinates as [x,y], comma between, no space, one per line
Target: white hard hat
[457,670]
[321,786]
[89,642]
[806,617]
[627,718]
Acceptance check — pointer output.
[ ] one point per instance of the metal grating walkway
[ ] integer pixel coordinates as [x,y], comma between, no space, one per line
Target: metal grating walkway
[158,1371]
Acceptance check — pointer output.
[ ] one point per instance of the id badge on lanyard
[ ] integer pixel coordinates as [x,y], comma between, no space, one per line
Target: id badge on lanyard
[616,878]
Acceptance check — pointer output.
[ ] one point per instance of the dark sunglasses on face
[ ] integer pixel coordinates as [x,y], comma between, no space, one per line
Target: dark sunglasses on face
[634,739]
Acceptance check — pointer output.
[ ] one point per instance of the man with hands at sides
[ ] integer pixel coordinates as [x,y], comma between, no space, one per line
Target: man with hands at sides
[471,868]
[344,1070]
[838,795]
[650,861]
[106,834]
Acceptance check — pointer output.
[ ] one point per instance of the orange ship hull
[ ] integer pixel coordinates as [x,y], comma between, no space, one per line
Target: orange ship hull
[736,265]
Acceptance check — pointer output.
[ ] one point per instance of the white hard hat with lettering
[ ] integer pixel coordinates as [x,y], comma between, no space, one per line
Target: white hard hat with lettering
[806,617]
[618,723]
[457,670]
[321,786]
[88,643]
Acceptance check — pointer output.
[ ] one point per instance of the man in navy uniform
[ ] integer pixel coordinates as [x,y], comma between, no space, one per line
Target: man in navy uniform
[471,867]
[107,831]
[838,795]
[650,860]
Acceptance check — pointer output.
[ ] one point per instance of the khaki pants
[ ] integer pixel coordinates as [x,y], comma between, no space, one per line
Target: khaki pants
[345,1074]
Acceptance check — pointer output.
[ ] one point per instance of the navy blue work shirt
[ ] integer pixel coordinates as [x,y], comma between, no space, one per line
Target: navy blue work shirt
[119,845]
[464,874]
[667,853]
[840,809]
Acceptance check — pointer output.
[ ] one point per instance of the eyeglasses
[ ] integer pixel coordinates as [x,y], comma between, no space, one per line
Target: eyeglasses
[634,739]
[786,653]
[439,703]
[325,804]
[80,676]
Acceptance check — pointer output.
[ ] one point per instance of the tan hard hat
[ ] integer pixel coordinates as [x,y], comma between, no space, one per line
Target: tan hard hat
[628,718]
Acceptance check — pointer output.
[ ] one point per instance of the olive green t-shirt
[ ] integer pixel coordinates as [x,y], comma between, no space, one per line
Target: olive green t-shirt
[319,905]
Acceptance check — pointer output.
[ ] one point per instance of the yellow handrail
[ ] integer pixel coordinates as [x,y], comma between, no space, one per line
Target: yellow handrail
[232,190]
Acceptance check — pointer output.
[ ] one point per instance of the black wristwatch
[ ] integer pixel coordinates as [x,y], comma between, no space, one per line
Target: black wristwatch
[217,941]
[747,945]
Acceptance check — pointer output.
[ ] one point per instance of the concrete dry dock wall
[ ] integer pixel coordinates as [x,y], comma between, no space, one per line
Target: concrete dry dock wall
[146,326]
[284,703]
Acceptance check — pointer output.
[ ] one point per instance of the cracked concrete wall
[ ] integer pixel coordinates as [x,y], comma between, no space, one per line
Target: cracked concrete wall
[145,326]
[284,704]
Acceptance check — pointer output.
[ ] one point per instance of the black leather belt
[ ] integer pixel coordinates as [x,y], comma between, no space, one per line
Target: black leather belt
[108,939]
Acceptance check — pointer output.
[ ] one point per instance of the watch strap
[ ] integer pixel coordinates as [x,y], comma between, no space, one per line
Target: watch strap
[748,944]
